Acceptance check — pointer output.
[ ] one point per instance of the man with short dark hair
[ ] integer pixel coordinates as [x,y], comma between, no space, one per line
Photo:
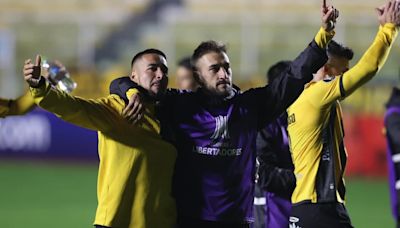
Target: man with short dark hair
[316,130]
[136,165]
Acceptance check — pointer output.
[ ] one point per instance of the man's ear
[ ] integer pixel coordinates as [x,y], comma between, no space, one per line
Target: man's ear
[196,76]
[326,69]
[132,76]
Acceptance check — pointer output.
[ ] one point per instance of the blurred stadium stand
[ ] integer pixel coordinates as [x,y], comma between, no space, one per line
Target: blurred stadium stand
[129,32]
[96,39]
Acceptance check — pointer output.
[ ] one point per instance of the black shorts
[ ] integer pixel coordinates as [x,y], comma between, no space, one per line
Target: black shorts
[184,222]
[321,215]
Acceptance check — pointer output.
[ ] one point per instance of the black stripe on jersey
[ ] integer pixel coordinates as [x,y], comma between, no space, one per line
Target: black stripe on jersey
[325,180]
[342,91]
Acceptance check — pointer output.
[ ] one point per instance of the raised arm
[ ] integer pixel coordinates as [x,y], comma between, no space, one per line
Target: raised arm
[329,15]
[375,57]
[97,114]
[285,89]
[309,61]
[369,64]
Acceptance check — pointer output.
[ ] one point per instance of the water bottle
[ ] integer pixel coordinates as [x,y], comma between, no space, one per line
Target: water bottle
[58,76]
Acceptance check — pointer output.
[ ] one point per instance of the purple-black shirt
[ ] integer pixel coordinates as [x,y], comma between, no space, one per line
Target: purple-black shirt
[216,140]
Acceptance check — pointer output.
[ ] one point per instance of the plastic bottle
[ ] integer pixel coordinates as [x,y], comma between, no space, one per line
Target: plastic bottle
[59,76]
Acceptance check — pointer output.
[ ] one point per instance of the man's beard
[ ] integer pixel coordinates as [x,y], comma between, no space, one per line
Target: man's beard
[214,91]
[219,93]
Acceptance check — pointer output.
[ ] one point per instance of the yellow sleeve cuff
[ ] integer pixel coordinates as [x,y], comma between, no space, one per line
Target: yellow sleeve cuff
[390,32]
[323,37]
[130,92]
[39,91]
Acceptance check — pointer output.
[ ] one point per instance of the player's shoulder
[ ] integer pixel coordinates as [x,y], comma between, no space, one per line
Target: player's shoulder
[253,93]
[173,93]
[113,101]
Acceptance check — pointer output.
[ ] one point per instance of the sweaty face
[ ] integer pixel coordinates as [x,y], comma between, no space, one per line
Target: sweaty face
[185,79]
[151,72]
[215,73]
[337,65]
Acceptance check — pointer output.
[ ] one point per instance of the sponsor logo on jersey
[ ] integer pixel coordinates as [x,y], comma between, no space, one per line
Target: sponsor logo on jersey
[293,221]
[214,151]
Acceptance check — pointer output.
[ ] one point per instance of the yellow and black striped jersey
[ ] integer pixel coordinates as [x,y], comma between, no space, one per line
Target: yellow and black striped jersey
[315,125]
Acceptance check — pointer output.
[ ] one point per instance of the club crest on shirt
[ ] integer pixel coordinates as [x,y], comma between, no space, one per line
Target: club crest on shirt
[221,128]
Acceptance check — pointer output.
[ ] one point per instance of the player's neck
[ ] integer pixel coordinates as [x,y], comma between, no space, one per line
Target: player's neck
[318,77]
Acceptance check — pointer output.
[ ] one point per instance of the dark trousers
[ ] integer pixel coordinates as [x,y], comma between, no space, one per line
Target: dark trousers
[196,223]
[321,215]
[98,226]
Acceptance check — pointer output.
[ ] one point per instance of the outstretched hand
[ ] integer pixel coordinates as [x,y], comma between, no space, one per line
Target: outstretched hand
[32,71]
[389,13]
[329,15]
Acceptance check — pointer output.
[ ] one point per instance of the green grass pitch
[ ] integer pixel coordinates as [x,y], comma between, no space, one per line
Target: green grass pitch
[63,195]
